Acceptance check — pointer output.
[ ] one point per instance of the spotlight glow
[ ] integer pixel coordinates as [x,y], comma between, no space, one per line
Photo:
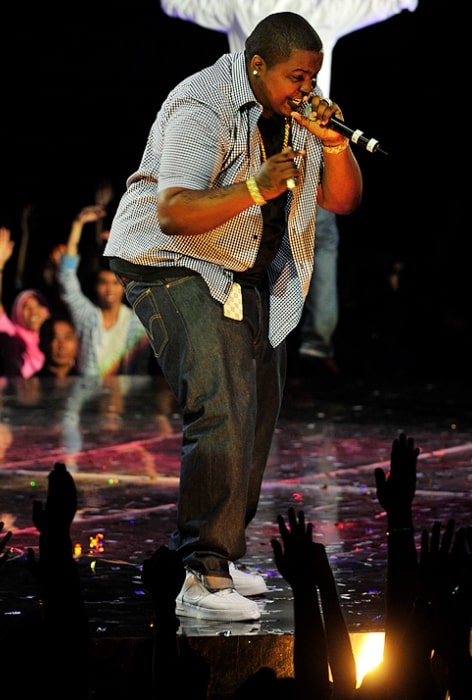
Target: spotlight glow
[368,650]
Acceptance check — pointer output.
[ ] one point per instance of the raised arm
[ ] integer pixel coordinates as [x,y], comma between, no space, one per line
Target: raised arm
[95,212]
[395,493]
[297,559]
[6,251]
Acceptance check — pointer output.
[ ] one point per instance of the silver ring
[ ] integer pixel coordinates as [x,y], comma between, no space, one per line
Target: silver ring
[327,100]
[291,184]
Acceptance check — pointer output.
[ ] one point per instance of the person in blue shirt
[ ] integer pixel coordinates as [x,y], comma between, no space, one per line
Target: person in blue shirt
[111,340]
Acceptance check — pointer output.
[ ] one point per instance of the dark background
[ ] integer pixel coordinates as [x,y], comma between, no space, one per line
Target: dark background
[81,88]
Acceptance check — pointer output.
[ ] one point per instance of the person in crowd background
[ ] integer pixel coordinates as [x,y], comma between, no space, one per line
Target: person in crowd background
[54,645]
[333,20]
[173,661]
[111,338]
[321,637]
[65,626]
[427,604]
[213,240]
[90,250]
[91,246]
[427,628]
[59,343]
[422,595]
[20,354]
[4,540]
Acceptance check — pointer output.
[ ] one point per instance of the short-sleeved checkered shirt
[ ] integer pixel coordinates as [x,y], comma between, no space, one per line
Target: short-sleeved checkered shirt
[205,136]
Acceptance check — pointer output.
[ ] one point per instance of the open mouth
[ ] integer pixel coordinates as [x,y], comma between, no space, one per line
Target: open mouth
[303,106]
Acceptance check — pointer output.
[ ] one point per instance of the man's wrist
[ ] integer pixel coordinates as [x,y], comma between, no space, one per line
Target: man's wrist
[255,192]
[337,148]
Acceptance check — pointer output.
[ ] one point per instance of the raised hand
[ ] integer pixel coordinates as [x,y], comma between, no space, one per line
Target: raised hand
[6,245]
[445,580]
[94,212]
[61,503]
[396,490]
[3,544]
[395,493]
[163,576]
[459,620]
[442,618]
[297,560]
[321,637]
[56,252]
[54,520]
[65,622]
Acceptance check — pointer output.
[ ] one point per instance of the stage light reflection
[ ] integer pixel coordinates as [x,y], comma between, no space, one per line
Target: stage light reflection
[368,651]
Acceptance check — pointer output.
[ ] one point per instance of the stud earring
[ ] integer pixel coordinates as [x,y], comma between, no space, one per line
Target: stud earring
[255,72]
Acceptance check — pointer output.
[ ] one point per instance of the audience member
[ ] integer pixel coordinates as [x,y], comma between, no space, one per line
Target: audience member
[111,338]
[418,593]
[321,638]
[59,343]
[428,607]
[428,601]
[4,540]
[50,282]
[445,602]
[20,354]
[395,493]
[92,246]
[30,264]
[65,650]
[174,663]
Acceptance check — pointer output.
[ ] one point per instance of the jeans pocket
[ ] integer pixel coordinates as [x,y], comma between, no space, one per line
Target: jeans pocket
[145,305]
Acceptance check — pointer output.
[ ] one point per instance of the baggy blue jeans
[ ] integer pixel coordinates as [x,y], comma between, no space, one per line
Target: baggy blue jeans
[228,381]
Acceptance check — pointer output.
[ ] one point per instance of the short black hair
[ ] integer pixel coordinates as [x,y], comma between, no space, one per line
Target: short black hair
[278,35]
[46,330]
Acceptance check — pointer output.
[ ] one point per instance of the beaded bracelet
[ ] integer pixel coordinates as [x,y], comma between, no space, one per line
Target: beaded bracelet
[337,149]
[254,191]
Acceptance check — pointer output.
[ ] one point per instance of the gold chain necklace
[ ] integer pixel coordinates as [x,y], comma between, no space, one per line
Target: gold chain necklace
[285,143]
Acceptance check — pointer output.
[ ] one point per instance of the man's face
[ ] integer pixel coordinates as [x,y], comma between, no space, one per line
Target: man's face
[109,291]
[63,345]
[287,83]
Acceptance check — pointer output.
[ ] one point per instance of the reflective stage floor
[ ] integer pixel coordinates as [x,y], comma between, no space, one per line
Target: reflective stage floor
[121,442]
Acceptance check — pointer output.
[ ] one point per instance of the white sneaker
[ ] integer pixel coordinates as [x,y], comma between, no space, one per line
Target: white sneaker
[226,605]
[247,583]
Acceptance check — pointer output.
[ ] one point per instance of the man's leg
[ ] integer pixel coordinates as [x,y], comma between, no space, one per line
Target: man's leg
[320,317]
[210,364]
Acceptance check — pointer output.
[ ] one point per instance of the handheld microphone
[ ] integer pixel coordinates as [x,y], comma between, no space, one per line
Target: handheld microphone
[356,136]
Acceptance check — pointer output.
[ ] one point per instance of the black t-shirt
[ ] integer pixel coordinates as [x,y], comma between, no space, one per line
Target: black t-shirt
[272,132]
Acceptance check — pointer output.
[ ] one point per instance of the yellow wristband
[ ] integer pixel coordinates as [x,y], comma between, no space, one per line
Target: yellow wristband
[336,149]
[254,191]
